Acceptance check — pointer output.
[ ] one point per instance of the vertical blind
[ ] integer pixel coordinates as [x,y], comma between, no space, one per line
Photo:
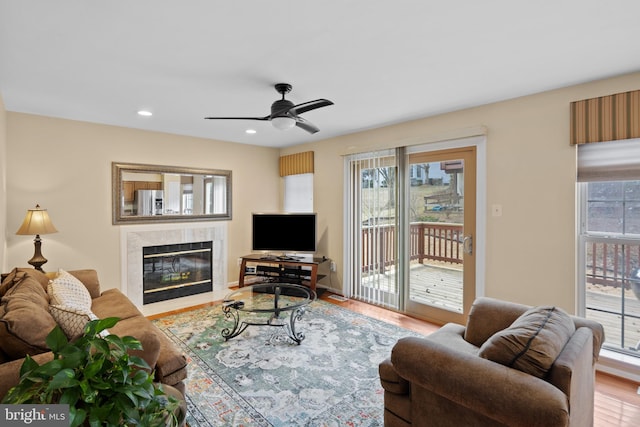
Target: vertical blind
[607,118]
[371,227]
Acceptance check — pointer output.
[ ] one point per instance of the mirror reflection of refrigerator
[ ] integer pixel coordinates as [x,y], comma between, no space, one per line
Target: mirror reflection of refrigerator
[149,202]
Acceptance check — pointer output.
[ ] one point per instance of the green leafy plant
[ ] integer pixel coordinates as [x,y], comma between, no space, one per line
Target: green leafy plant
[103,384]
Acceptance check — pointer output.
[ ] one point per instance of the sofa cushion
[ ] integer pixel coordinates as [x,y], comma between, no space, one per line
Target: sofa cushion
[71,319]
[67,290]
[143,330]
[533,341]
[25,320]
[113,303]
[16,275]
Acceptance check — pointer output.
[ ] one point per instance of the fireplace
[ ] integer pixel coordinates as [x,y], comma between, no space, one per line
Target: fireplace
[176,270]
[133,240]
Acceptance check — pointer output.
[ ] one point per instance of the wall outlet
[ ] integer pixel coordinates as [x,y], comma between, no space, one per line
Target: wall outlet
[239,262]
[333,266]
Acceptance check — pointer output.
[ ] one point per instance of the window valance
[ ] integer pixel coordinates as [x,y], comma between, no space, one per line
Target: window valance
[607,118]
[296,164]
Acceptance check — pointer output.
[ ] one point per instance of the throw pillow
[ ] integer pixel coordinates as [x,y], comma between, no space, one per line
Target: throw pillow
[67,290]
[533,341]
[16,275]
[72,319]
[25,320]
[10,280]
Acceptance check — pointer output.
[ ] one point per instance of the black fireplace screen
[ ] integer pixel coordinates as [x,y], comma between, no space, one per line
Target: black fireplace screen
[177,270]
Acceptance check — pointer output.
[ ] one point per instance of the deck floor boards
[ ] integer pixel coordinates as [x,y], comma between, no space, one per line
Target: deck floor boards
[442,287]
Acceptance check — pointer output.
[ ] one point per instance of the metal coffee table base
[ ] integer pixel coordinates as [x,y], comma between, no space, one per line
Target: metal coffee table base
[239,326]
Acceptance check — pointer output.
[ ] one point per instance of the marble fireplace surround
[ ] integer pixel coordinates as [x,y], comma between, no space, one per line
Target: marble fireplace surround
[133,238]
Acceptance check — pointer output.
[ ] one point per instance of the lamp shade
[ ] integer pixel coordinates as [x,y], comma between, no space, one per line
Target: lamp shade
[37,222]
[283,122]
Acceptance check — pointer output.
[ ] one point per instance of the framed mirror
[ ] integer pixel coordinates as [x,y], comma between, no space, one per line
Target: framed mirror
[151,193]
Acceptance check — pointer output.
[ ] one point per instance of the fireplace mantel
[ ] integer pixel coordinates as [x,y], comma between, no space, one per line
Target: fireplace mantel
[134,237]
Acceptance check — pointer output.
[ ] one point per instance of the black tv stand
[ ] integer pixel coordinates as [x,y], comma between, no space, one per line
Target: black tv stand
[283,269]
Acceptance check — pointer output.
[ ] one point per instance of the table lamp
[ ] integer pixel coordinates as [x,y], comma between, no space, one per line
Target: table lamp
[37,222]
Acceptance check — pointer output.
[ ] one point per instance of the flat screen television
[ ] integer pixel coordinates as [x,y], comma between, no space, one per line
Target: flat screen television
[285,233]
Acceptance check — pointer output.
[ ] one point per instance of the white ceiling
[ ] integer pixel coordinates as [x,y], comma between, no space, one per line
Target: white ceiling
[380,61]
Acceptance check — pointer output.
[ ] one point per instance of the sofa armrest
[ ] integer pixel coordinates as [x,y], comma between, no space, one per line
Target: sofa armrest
[597,330]
[496,391]
[573,373]
[10,371]
[390,380]
[150,347]
[89,278]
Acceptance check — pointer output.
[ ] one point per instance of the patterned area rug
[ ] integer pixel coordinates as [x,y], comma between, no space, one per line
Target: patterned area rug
[262,378]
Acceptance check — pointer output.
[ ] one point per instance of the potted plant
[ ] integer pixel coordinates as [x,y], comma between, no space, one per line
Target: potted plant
[96,376]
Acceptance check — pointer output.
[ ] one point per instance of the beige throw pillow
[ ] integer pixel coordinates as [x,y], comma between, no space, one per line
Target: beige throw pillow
[533,341]
[67,290]
[71,319]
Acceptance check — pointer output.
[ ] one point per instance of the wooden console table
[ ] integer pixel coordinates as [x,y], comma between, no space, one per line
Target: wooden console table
[282,269]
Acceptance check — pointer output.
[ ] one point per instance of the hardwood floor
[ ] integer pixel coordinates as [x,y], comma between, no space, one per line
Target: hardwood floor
[617,402]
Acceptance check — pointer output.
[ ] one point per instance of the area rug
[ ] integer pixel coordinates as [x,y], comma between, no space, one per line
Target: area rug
[262,378]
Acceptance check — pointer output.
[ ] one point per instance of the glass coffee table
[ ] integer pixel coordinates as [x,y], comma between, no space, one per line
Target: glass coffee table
[267,304]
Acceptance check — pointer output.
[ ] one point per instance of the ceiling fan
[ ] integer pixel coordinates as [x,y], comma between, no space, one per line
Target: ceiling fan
[284,114]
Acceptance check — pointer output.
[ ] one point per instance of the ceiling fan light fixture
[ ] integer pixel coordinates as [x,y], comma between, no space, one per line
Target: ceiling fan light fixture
[283,122]
[284,114]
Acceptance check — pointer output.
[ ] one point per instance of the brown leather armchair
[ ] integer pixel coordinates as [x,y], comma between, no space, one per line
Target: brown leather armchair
[442,380]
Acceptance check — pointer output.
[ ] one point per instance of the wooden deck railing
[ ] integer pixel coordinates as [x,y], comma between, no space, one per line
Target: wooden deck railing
[606,263]
[610,264]
[427,240]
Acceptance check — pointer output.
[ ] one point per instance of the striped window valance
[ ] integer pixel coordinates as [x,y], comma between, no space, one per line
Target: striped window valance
[607,118]
[296,164]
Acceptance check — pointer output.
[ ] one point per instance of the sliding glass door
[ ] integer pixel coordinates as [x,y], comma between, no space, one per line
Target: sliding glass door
[410,227]
[440,259]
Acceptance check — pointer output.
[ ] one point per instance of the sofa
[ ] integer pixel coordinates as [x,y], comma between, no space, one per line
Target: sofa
[511,365]
[28,314]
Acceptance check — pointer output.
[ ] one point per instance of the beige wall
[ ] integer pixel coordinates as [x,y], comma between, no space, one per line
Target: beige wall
[531,250]
[3,182]
[65,166]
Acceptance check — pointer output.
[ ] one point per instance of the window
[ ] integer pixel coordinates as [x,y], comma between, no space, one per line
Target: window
[298,193]
[609,242]
[613,208]
[297,171]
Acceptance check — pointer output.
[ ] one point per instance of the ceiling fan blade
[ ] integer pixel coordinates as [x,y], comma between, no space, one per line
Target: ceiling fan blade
[308,106]
[239,118]
[306,125]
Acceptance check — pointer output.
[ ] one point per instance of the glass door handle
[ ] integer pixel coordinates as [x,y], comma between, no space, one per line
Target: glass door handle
[467,245]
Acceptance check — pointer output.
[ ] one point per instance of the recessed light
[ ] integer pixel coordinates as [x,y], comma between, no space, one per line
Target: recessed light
[145,113]
[250,131]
